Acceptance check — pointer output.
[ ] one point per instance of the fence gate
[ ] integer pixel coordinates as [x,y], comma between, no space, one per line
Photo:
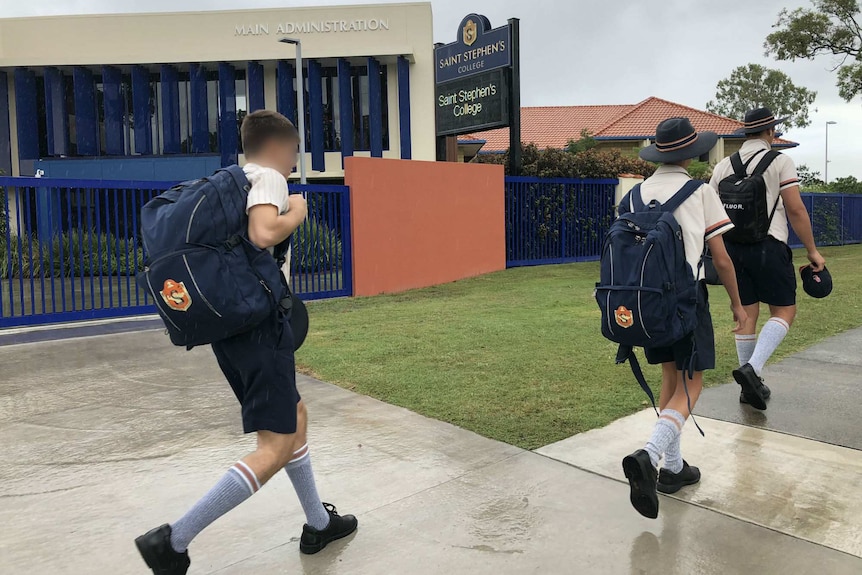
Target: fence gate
[552,221]
[70,249]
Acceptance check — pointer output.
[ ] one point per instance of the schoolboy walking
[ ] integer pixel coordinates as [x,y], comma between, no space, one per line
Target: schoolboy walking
[697,218]
[760,190]
[259,366]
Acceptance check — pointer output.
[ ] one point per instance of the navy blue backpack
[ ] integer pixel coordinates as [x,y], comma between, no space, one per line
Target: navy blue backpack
[208,281]
[647,292]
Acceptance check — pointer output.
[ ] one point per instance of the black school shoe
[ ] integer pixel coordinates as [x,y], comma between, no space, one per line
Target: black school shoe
[752,386]
[155,548]
[314,541]
[767,393]
[642,480]
[669,482]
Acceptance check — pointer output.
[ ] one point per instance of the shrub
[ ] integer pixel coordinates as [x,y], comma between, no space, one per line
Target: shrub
[77,253]
[700,170]
[589,163]
[316,248]
[4,214]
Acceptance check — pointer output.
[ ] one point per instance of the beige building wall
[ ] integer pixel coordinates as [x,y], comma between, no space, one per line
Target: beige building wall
[354,32]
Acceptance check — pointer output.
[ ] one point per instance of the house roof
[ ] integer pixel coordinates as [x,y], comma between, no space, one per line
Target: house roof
[554,126]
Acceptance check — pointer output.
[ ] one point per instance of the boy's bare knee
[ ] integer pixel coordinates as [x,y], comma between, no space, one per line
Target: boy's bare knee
[277,448]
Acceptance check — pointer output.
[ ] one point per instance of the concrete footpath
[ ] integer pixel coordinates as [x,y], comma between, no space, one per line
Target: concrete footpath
[104,437]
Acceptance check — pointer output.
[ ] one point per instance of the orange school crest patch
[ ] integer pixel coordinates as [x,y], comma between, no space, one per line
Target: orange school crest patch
[175,295]
[624,317]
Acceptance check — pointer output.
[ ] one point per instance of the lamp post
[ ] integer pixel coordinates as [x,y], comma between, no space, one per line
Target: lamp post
[300,106]
[826,168]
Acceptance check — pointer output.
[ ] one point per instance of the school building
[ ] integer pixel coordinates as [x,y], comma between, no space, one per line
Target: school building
[161,96]
[626,128]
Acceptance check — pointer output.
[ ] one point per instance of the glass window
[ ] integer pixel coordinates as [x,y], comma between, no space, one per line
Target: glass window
[212,110]
[185,114]
[241,105]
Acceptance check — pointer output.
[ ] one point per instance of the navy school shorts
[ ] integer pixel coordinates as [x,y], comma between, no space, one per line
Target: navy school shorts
[702,339]
[259,366]
[764,272]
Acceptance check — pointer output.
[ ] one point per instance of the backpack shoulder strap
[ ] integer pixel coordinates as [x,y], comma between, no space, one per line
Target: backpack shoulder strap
[681,196]
[738,166]
[764,164]
[239,177]
[637,203]
[626,353]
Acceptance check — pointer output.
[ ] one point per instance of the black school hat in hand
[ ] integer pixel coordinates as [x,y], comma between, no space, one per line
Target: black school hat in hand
[816,284]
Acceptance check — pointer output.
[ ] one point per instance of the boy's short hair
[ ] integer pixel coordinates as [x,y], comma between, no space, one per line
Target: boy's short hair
[263,125]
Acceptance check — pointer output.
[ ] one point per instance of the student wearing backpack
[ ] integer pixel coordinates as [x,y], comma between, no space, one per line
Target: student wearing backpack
[258,364]
[663,226]
[760,191]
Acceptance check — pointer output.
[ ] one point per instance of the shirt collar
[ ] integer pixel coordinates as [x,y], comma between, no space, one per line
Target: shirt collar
[755,144]
[671,169]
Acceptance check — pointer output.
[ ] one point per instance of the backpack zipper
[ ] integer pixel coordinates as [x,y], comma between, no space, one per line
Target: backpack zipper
[197,287]
[192,218]
[640,307]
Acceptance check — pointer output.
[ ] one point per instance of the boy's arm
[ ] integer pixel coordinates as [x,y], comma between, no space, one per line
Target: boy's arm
[727,274]
[266,228]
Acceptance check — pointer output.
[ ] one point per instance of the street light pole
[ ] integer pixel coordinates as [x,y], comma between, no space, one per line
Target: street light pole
[826,167]
[300,106]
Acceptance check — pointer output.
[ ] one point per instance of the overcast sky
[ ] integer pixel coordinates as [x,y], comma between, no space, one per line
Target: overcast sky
[579,52]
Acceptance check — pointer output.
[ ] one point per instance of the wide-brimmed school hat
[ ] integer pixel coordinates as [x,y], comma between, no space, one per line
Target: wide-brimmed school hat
[759,120]
[676,140]
[816,284]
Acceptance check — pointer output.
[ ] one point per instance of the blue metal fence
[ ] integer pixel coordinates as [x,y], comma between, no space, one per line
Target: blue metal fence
[69,249]
[836,219]
[552,221]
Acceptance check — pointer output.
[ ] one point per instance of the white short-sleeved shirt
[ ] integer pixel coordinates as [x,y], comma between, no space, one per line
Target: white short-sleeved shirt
[701,216]
[779,176]
[268,186]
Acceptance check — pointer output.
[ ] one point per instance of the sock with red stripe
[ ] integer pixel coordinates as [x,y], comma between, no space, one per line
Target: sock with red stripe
[237,485]
[745,345]
[771,336]
[301,475]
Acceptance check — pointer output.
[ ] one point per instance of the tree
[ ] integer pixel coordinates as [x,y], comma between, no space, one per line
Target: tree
[808,178]
[830,27]
[586,142]
[848,185]
[755,86]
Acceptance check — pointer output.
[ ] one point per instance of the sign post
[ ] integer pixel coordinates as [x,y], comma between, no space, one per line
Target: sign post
[515,152]
[479,84]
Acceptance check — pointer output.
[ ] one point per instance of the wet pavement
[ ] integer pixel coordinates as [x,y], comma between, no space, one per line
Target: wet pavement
[815,394]
[107,436]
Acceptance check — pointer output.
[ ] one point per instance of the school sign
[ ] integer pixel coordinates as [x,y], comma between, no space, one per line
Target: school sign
[478,81]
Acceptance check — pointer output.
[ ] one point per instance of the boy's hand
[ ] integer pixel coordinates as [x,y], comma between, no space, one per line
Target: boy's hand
[817,261]
[739,316]
[298,205]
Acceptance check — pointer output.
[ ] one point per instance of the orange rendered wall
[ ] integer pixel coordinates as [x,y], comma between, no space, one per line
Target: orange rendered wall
[416,224]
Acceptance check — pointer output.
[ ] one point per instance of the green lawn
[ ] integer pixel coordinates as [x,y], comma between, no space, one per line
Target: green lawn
[518,355]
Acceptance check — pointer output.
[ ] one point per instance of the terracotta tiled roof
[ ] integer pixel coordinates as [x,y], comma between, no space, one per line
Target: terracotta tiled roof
[554,126]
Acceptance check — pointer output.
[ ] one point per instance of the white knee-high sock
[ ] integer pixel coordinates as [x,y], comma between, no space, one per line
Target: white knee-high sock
[673,453]
[771,336]
[302,477]
[237,485]
[745,345]
[666,430]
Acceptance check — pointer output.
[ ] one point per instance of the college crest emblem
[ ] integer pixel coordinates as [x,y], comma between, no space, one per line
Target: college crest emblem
[624,317]
[471,32]
[175,295]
